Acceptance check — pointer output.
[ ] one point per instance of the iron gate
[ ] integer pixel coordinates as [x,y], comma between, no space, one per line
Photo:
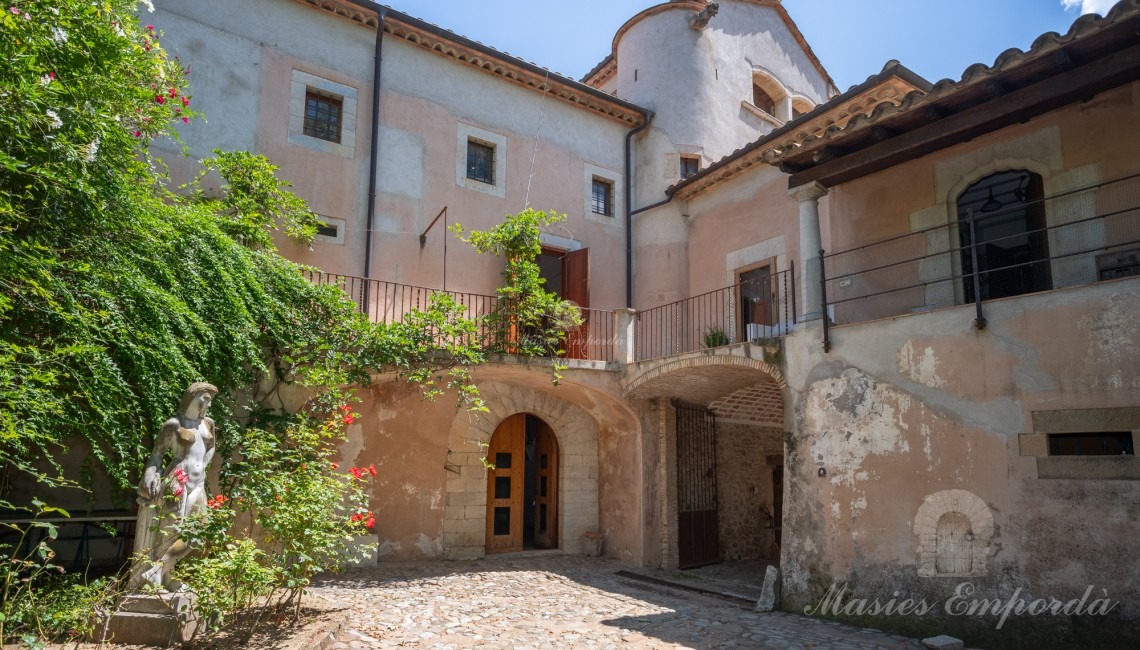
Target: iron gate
[696,487]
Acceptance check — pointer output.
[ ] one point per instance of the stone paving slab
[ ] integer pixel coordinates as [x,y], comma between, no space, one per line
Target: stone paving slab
[558,602]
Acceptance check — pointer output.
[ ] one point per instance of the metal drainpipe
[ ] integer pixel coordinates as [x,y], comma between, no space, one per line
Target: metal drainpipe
[374,154]
[648,115]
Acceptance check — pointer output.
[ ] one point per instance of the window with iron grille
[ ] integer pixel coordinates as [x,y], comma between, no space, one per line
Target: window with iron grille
[602,197]
[323,115]
[480,162]
[689,166]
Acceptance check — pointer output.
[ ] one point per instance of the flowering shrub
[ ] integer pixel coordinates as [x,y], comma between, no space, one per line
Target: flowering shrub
[117,293]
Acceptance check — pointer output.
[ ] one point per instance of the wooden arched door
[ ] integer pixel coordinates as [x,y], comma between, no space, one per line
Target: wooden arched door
[522,486]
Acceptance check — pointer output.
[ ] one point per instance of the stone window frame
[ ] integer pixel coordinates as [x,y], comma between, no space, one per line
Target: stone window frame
[498,142]
[616,180]
[939,504]
[333,222]
[301,84]
[1094,420]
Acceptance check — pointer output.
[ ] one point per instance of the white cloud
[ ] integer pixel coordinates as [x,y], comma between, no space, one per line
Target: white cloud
[1089,6]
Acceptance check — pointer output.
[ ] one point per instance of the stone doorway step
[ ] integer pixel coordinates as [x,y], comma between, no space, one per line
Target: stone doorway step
[737,581]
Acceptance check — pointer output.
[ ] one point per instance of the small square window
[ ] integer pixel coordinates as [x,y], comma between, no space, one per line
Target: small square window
[328,230]
[323,115]
[481,162]
[602,197]
[689,166]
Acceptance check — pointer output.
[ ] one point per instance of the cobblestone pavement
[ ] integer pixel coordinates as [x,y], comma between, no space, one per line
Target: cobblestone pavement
[559,602]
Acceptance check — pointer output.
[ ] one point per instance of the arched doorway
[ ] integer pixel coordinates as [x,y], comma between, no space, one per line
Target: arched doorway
[1012,240]
[522,486]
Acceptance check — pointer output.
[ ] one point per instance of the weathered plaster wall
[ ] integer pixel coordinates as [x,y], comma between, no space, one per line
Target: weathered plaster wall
[241,76]
[903,410]
[695,81]
[431,490]
[1069,148]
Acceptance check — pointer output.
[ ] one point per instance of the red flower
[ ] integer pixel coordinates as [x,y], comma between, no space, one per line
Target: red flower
[160,99]
[371,523]
[138,134]
[173,92]
[372,470]
[350,418]
[335,465]
[357,517]
[150,28]
[185,100]
[346,408]
[357,472]
[185,120]
[51,75]
[179,490]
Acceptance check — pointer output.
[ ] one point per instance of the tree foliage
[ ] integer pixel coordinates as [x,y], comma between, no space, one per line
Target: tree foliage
[528,320]
[116,293]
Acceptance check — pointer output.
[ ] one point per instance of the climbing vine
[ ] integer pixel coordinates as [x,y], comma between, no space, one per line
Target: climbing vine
[116,292]
[528,320]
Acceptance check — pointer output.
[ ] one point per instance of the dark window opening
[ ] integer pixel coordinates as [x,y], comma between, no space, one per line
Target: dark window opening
[757,303]
[689,166]
[1012,243]
[602,197]
[502,521]
[1118,443]
[322,115]
[328,230]
[502,460]
[762,100]
[481,162]
[502,487]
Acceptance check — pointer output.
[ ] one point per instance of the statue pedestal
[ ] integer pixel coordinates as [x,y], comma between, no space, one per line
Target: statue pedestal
[162,619]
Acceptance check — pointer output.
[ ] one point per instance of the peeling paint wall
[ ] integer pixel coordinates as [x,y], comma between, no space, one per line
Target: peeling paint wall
[914,408]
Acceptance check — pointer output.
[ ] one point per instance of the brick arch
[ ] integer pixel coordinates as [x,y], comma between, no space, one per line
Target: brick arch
[704,361]
[465,503]
[940,553]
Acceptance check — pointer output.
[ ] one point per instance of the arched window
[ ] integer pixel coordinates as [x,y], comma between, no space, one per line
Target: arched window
[769,95]
[1011,240]
[762,100]
[800,106]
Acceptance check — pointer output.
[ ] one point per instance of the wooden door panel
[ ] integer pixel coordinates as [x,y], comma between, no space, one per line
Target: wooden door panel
[507,452]
[546,489]
[576,288]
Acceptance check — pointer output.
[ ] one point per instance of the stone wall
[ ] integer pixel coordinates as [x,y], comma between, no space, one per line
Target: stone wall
[910,481]
[744,489]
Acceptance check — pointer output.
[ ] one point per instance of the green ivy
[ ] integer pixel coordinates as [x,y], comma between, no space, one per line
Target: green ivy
[528,320]
[116,293]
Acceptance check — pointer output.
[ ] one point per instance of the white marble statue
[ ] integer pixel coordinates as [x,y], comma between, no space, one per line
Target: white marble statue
[168,494]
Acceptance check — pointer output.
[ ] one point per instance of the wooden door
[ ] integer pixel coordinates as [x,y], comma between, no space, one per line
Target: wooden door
[505,483]
[576,288]
[546,489]
[698,536]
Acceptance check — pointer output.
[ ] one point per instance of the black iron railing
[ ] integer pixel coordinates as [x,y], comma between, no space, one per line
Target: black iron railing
[759,309]
[389,302]
[1067,239]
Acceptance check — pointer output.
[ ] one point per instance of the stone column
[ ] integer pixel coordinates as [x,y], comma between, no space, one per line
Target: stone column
[810,243]
[625,351]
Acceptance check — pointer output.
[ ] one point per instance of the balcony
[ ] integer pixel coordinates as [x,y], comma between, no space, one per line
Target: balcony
[753,311]
[1069,239]
[389,302]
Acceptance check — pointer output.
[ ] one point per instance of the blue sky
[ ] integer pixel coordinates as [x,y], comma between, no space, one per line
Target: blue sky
[853,38]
